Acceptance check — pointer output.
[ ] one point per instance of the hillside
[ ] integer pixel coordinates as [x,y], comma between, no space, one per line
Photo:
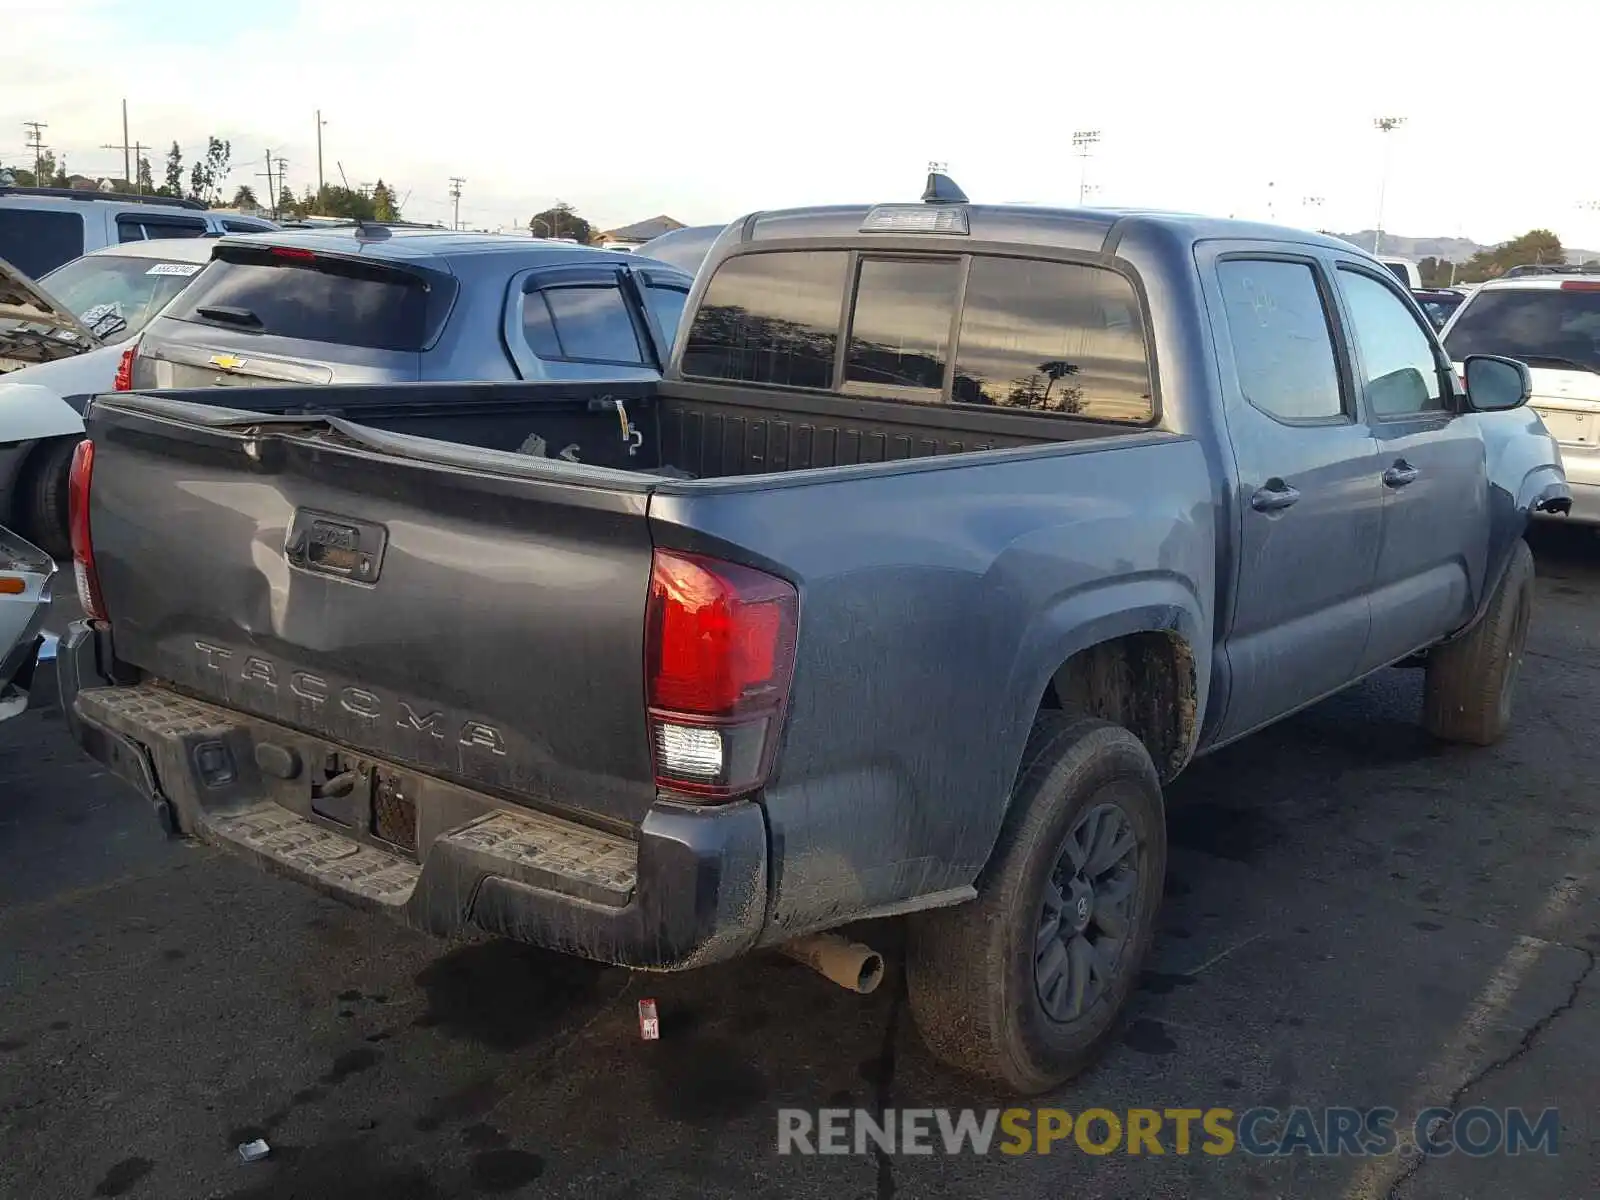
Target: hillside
[1454,249]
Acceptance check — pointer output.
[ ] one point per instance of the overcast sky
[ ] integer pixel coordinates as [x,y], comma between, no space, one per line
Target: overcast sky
[705,109]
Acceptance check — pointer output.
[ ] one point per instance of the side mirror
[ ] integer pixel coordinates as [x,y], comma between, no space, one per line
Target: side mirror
[1496,384]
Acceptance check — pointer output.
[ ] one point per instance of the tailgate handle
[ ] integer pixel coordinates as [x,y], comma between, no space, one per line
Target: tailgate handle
[330,544]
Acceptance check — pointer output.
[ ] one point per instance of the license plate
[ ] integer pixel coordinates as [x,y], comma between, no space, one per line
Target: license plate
[1575,429]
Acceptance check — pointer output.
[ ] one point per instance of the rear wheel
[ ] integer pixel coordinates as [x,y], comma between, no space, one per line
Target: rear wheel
[43,498]
[1471,681]
[1023,985]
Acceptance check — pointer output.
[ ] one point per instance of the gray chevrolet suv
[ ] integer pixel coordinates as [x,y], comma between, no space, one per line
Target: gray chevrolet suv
[366,303]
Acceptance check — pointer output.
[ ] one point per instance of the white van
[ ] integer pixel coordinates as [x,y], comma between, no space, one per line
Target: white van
[41,228]
[1406,271]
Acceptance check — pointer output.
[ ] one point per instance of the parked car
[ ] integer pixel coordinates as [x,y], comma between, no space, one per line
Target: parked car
[1438,303]
[60,340]
[1551,321]
[41,228]
[380,304]
[25,575]
[951,533]
[1406,271]
[685,248]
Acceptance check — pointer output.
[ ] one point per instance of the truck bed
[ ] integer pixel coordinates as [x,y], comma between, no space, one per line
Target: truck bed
[472,611]
[704,432]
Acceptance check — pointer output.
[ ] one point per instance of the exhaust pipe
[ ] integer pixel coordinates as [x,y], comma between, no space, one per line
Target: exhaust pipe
[854,967]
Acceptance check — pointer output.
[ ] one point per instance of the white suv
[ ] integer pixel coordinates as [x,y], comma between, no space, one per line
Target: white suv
[41,228]
[1551,321]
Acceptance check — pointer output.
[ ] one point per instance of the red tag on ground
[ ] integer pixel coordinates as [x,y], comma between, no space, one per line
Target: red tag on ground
[649,1021]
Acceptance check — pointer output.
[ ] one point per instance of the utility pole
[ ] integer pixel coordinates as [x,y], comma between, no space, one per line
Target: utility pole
[1083,144]
[138,149]
[272,192]
[1385,126]
[125,167]
[455,196]
[36,144]
[320,124]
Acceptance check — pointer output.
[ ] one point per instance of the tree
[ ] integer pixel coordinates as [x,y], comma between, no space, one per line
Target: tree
[561,221]
[197,181]
[146,182]
[288,206]
[174,183]
[384,207]
[334,201]
[245,197]
[1535,246]
[218,155]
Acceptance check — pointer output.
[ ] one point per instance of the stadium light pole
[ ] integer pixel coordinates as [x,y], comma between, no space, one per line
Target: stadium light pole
[1385,126]
[1589,206]
[1083,143]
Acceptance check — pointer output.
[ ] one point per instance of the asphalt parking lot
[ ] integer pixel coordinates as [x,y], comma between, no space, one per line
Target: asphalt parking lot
[1355,916]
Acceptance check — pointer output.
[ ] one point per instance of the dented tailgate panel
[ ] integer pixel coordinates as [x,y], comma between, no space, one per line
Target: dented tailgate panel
[487,632]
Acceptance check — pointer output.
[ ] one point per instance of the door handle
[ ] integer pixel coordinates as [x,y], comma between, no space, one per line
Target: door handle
[1400,474]
[1274,496]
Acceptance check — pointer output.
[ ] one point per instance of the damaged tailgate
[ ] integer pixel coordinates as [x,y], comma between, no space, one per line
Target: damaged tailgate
[485,627]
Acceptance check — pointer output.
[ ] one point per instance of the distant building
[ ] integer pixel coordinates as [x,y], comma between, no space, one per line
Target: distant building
[641,232]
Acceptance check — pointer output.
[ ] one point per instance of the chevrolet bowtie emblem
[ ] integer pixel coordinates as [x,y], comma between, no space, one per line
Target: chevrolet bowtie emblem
[227,362]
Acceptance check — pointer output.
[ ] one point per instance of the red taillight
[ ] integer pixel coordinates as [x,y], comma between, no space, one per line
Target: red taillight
[1580,285]
[293,252]
[83,569]
[123,382]
[719,657]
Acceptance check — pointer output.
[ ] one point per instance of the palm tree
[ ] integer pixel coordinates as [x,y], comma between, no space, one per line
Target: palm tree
[1055,370]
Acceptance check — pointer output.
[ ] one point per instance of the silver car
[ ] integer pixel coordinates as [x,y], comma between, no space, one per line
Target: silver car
[1549,319]
[25,574]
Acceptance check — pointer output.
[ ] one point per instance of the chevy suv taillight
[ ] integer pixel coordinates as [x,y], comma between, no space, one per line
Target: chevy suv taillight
[719,658]
[123,381]
[83,569]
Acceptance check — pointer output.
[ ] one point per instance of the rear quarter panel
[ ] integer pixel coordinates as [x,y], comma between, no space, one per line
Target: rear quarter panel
[937,598]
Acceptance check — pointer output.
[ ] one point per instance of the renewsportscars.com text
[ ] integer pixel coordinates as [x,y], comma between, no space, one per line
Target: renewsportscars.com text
[1262,1132]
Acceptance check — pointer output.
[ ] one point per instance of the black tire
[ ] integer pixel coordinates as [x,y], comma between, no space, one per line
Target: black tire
[973,983]
[1471,681]
[43,498]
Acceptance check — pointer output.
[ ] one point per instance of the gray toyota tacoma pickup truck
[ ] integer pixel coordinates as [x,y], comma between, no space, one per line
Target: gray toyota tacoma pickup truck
[950,535]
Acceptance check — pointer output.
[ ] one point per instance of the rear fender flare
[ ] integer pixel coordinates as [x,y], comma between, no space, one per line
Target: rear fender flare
[1089,617]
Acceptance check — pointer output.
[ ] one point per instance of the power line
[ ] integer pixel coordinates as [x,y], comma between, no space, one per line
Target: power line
[455,196]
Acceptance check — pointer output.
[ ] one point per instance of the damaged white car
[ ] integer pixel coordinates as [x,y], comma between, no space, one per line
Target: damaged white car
[25,575]
[64,338]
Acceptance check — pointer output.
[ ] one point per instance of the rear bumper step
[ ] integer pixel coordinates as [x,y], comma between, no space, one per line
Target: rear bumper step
[691,889]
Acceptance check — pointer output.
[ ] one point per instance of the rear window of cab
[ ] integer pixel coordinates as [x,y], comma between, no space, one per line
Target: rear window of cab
[970,330]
